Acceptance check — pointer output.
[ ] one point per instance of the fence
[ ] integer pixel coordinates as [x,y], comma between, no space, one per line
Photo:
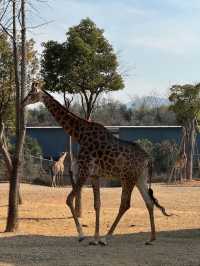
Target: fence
[35,170]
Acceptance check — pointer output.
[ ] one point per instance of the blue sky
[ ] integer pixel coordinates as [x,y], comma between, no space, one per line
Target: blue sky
[158,41]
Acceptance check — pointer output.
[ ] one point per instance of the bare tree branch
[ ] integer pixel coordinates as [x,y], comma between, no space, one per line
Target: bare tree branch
[4,149]
[40,25]
[5,10]
[6,31]
[67,101]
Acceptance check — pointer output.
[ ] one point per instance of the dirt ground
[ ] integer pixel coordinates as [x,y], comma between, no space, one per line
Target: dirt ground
[47,234]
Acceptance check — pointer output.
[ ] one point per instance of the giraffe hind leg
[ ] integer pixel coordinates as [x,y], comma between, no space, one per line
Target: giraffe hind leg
[142,187]
[127,188]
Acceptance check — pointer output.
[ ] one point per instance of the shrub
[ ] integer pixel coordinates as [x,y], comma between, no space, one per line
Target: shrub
[163,154]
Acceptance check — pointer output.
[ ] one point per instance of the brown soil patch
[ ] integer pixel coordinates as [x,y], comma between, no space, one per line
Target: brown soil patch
[47,234]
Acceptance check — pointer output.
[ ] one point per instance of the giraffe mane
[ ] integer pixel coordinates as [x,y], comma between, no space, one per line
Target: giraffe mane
[71,113]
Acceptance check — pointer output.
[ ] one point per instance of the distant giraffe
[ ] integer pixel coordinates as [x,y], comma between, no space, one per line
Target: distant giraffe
[57,169]
[101,155]
[179,170]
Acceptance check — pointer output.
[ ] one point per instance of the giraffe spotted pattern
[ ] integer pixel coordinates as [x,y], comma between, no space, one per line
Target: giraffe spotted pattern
[101,155]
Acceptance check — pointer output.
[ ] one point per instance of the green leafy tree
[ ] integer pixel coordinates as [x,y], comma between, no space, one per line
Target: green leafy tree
[40,117]
[31,146]
[147,145]
[186,104]
[164,154]
[85,64]
[15,12]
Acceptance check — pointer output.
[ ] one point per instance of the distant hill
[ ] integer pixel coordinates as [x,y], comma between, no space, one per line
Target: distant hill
[149,101]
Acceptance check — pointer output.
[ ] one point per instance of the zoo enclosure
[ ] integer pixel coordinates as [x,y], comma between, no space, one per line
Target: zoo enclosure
[53,141]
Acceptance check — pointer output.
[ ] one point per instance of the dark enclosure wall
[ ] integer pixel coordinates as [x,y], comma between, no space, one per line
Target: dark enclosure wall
[53,140]
[154,134]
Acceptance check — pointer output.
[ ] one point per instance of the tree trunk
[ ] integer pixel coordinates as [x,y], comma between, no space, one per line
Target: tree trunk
[14,196]
[23,85]
[190,144]
[20,196]
[12,219]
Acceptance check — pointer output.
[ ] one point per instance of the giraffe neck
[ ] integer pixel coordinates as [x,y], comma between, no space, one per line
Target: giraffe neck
[62,158]
[71,123]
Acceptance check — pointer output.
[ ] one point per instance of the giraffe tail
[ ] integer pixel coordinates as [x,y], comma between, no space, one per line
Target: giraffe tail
[155,201]
[150,171]
[157,204]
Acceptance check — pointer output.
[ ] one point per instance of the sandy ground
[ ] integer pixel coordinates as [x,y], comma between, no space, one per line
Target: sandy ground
[47,234]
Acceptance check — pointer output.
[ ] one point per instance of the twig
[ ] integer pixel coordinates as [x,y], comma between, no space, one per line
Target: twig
[6,31]
[5,10]
[40,25]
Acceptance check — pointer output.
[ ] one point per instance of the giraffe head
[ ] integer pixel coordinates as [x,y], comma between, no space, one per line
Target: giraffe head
[63,154]
[35,95]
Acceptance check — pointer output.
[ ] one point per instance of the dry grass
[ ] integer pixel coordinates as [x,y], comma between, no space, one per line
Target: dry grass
[47,234]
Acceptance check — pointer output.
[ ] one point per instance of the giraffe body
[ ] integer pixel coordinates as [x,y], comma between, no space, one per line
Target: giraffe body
[114,159]
[101,155]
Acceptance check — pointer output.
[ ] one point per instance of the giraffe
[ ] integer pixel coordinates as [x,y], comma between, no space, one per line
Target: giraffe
[57,169]
[101,155]
[179,167]
[180,163]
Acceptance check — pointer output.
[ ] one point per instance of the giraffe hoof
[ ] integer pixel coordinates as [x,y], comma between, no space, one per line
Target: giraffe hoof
[103,242]
[81,239]
[148,243]
[93,243]
[84,225]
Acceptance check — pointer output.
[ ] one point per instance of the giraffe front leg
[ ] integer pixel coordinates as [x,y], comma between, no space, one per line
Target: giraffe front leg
[69,202]
[53,181]
[97,205]
[59,179]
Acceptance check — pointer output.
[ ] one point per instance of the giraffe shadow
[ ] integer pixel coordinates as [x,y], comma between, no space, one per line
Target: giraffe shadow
[181,185]
[41,218]
[180,247]
[38,218]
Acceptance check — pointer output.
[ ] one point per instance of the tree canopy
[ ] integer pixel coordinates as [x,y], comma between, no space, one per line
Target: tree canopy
[185,101]
[7,95]
[186,104]
[84,64]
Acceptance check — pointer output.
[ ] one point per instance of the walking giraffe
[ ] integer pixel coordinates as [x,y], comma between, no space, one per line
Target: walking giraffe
[57,169]
[101,155]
